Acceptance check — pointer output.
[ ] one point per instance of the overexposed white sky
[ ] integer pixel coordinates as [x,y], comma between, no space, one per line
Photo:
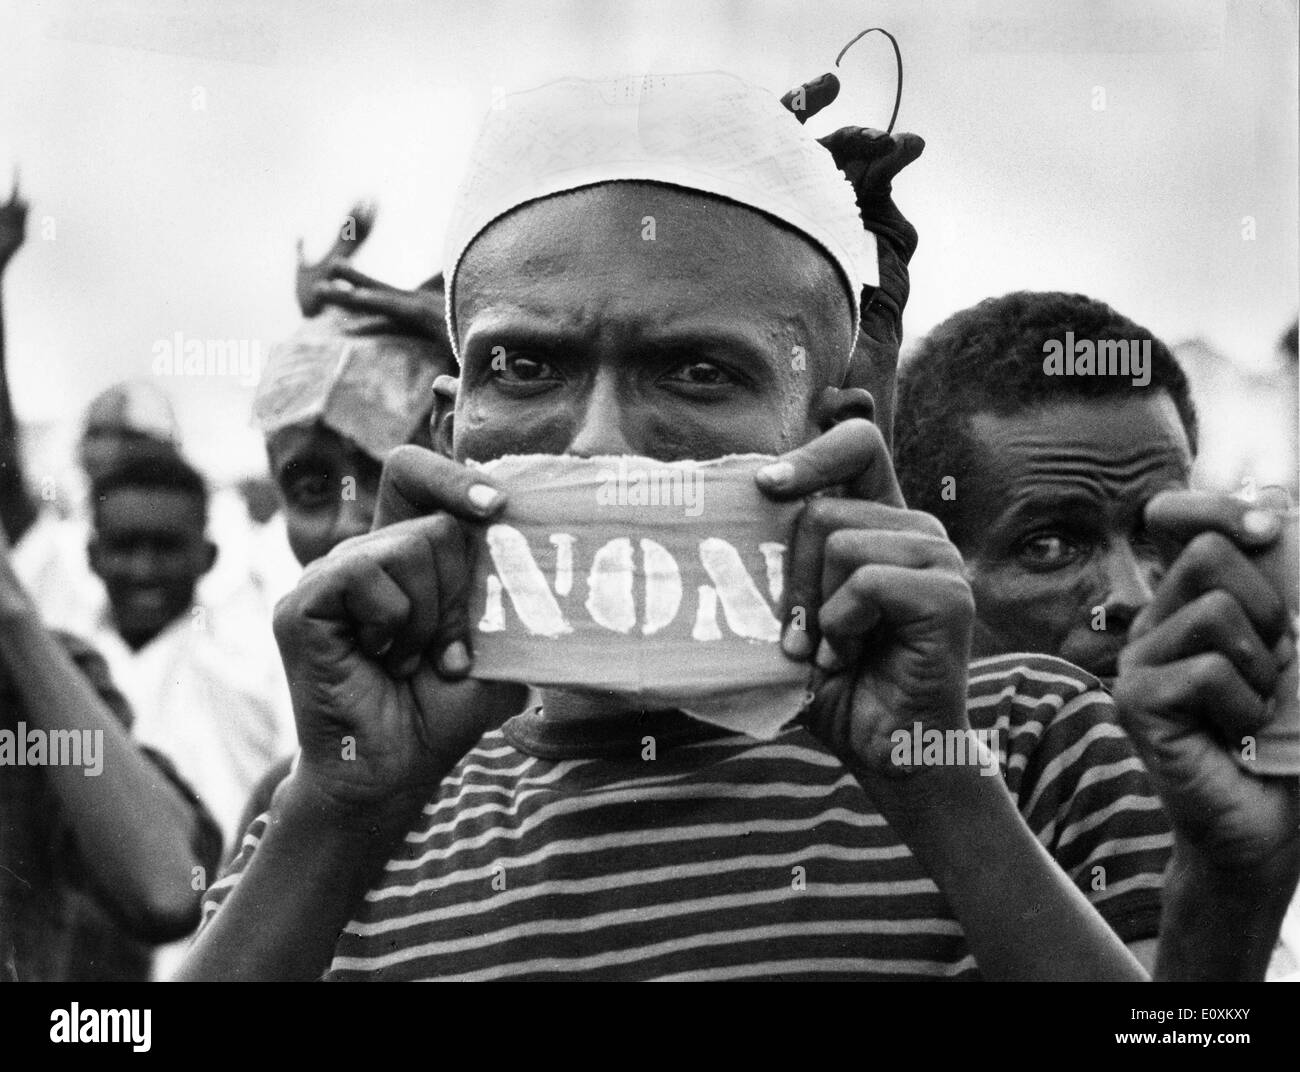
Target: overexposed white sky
[173,153]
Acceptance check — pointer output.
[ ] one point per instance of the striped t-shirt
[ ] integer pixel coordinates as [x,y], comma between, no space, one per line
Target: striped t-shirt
[557,850]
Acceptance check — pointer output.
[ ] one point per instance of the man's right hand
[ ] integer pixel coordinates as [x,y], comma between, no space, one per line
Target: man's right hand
[1201,663]
[375,643]
[354,231]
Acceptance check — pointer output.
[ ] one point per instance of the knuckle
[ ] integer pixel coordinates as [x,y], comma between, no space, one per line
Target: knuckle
[403,460]
[1205,552]
[1218,608]
[957,595]
[860,428]
[441,528]
[1165,694]
[844,545]
[1209,669]
[927,524]
[822,514]
[862,581]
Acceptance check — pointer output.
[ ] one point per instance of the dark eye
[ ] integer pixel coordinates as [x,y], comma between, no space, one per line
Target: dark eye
[516,368]
[699,374]
[1150,548]
[1047,550]
[307,490]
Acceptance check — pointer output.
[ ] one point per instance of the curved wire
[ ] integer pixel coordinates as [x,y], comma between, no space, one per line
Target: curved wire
[898,61]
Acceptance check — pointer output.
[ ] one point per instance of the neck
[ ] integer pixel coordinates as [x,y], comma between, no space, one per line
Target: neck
[559,705]
[139,638]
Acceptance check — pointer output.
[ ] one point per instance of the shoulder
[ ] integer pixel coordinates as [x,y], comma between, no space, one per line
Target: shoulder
[1028,677]
[1033,693]
[1051,718]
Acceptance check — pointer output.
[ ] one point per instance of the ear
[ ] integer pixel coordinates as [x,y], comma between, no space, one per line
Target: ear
[442,422]
[209,555]
[94,557]
[837,404]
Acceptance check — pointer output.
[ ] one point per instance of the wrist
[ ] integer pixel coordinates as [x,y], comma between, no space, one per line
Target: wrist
[930,796]
[317,812]
[1193,876]
[1219,923]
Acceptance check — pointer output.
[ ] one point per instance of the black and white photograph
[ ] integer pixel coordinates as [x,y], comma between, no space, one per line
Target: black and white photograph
[702,491]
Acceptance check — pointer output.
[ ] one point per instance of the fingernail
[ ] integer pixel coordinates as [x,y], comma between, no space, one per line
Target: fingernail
[455,658]
[777,473]
[483,498]
[796,642]
[1260,523]
[826,657]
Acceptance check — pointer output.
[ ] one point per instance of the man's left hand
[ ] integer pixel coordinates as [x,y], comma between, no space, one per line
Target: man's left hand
[876,594]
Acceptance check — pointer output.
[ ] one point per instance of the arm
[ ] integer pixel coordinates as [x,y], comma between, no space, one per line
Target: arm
[892,635]
[1045,929]
[301,886]
[870,160]
[17,510]
[1222,922]
[375,642]
[135,832]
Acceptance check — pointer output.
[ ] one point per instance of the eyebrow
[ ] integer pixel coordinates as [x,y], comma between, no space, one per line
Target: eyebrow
[304,455]
[1054,501]
[550,335]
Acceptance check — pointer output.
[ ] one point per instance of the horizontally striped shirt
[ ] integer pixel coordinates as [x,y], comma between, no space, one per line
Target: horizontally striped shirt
[556,850]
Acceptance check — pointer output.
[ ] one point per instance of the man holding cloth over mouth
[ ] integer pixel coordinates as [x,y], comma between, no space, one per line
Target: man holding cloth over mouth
[672,268]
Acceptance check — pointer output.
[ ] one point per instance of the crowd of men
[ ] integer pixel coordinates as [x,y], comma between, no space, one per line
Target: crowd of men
[982,546]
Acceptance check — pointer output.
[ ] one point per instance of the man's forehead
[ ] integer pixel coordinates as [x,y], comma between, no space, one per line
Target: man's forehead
[125,508]
[680,261]
[1105,446]
[650,218]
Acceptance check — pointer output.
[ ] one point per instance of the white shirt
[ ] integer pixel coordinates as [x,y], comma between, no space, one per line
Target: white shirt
[211,696]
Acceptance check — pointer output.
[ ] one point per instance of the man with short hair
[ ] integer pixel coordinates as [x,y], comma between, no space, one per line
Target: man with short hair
[1040,479]
[203,692]
[1054,438]
[103,847]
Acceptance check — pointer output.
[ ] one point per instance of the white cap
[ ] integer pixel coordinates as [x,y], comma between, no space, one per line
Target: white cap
[710,132]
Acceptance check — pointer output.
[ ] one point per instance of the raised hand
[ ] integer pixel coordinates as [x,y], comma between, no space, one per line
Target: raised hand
[375,642]
[1195,679]
[354,230]
[421,311]
[870,159]
[880,595]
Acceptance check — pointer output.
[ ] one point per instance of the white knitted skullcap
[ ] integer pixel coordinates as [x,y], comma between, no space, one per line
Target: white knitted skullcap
[708,131]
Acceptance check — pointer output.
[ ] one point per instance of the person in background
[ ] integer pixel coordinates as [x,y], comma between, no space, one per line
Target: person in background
[47,516]
[103,858]
[1040,480]
[352,383]
[1068,498]
[205,693]
[46,529]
